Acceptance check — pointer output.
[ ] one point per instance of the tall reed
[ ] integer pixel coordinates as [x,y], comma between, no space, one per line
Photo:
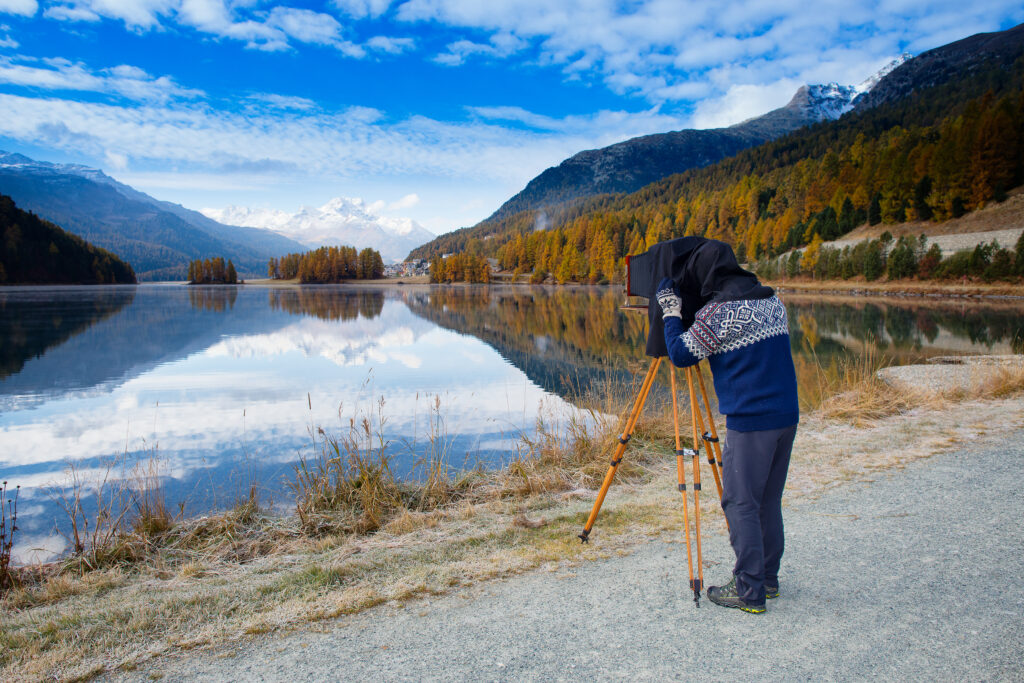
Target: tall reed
[8,525]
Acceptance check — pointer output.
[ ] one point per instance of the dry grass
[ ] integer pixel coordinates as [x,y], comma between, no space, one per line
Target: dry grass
[850,390]
[362,537]
[854,392]
[1003,383]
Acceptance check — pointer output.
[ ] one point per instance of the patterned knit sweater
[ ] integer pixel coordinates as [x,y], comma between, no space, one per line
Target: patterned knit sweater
[747,345]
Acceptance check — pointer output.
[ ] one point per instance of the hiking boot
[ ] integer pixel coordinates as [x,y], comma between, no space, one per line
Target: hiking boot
[771,591]
[726,596]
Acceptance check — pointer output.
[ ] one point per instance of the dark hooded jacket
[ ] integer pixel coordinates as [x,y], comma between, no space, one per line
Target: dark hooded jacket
[703,270]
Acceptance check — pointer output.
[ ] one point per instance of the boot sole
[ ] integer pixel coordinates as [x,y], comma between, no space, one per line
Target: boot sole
[743,608]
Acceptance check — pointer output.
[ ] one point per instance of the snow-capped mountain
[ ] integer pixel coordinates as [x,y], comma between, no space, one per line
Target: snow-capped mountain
[829,101]
[870,82]
[342,220]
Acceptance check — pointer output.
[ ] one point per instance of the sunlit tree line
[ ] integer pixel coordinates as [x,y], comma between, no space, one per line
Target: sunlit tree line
[463,267]
[328,264]
[212,271]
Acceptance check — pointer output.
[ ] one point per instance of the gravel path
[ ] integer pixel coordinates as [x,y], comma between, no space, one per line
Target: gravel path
[915,576]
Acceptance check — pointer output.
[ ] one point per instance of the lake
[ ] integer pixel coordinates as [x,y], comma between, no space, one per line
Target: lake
[227,387]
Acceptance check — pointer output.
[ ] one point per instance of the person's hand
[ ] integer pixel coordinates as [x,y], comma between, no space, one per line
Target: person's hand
[671,304]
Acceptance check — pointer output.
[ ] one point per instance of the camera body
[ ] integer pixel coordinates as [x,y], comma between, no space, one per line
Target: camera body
[645,271]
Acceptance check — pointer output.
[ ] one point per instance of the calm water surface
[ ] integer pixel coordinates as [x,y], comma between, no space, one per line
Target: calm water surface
[227,386]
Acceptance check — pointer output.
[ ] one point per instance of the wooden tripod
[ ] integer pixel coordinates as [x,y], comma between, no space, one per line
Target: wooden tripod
[714,454]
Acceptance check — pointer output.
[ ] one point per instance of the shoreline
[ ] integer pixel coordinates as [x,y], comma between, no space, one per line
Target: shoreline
[258,573]
[902,289]
[899,289]
[937,290]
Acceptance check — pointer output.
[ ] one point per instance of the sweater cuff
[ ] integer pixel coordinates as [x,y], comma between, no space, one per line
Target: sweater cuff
[677,351]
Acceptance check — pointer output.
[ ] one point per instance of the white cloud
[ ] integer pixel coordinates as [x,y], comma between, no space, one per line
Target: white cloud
[406,202]
[214,17]
[69,13]
[136,14]
[6,42]
[604,125]
[660,50]
[742,102]
[380,206]
[271,30]
[61,74]
[26,8]
[116,161]
[390,45]
[360,9]
[501,45]
[283,101]
[306,25]
[265,144]
[666,51]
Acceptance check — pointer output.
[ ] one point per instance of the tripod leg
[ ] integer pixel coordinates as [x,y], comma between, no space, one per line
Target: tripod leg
[641,398]
[711,434]
[681,477]
[697,586]
[708,440]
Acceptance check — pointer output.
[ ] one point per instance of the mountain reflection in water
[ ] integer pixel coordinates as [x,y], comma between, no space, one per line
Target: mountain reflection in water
[225,384]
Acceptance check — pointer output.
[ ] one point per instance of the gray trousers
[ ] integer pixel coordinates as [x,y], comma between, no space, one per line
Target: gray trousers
[754,468]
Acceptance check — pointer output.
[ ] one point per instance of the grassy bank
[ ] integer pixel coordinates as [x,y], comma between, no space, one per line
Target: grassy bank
[360,537]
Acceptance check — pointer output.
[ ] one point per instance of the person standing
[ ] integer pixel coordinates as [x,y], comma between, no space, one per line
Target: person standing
[742,329]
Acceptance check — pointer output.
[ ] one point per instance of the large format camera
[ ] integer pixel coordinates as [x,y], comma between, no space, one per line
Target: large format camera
[701,269]
[644,271]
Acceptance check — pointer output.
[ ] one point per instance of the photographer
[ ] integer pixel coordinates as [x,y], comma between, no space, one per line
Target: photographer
[740,326]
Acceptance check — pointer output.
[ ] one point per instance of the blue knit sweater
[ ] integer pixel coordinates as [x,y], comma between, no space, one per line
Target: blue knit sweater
[747,345]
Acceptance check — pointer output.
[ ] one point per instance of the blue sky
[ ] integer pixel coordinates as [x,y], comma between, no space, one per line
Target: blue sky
[438,110]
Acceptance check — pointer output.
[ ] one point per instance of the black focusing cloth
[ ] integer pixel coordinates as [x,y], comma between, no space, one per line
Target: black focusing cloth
[702,270]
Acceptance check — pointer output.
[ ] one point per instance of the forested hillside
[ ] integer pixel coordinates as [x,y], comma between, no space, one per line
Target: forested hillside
[38,252]
[933,154]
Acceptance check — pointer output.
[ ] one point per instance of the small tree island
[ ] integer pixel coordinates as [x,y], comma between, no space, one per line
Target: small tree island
[212,271]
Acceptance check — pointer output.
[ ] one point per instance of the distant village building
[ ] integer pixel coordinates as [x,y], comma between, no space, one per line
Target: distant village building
[407,268]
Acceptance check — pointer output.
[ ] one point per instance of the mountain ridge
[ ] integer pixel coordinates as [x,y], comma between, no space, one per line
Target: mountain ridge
[158,238]
[629,165]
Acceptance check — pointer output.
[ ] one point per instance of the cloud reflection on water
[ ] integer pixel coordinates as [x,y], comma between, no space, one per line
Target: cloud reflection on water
[255,396]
